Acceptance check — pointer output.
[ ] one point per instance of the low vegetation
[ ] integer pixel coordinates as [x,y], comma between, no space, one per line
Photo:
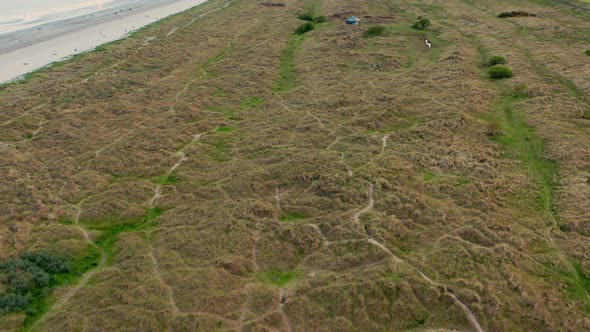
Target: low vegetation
[587,52]
[375,31]
[311,18]
[499,72]
[304,28]
[496,60]
[516,14]
[29,278]
[421,24]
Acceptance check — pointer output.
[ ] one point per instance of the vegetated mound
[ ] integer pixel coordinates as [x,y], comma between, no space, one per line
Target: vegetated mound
[516,14]
[272,4]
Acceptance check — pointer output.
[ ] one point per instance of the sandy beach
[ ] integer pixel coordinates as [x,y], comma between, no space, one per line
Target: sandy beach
[34,47]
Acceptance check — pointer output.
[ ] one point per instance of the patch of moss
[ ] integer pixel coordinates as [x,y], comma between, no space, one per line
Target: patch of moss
[225,129]
[251,102]
[279,278]
[293,216]
[169,179]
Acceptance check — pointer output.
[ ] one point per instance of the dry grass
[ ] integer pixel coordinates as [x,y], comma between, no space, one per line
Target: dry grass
[222,171]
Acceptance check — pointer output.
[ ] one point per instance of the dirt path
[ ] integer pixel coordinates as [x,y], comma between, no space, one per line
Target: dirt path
[158,274]
[470,315]
[65,298]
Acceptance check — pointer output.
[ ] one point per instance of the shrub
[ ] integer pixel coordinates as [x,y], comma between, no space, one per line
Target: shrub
[587,52]
[422,23]
[320,19]
[13,302]
[306,17]
[304,28]
[496,60]
[30,275]
[499,72]
[375,31]
[516,14]
[47,261]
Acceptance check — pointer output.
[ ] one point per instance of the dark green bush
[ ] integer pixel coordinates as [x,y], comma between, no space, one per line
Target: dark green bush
[375,31]
[496,60]
[499,72]
[306,17]
[320,19]
[304,28]
[422,24]
[516,14]
[30,276]
[21,275]
[47,261]
[13,302]
[587,52]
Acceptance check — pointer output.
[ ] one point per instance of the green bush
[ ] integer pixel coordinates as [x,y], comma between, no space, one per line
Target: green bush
[31,275]
[499,72]
[516,14]
[587,52]
[375,31]
[47,261]
[320,19]
[306,17]
[13,302]
[422,24]
[304,28]
[496,60]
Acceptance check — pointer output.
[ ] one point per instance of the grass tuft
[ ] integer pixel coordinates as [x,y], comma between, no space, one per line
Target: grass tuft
[279,278]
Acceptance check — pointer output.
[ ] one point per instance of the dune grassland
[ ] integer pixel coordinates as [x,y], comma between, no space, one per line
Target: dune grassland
[218,171]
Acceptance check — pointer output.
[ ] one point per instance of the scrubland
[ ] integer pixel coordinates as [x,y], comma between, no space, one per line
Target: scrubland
[216,171]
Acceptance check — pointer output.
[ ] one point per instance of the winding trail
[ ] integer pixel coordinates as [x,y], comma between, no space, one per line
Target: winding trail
[371,201]
[65,298]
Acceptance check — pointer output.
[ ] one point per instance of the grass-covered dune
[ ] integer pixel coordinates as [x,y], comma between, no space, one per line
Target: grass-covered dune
[219,171]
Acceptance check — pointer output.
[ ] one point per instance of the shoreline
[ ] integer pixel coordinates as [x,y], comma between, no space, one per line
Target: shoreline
[59,41]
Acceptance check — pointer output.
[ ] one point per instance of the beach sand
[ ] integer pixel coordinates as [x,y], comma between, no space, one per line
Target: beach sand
[27,50]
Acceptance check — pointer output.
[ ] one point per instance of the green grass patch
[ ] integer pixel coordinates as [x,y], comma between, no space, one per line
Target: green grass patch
[393,277]
[111,231]
[520,142]
[279,278]
[293,216]
[251,102]
[219,92]
[64,221]
[170,179]
[430,176]
[287,69]
[225,129]
[221,151]
[583,285]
